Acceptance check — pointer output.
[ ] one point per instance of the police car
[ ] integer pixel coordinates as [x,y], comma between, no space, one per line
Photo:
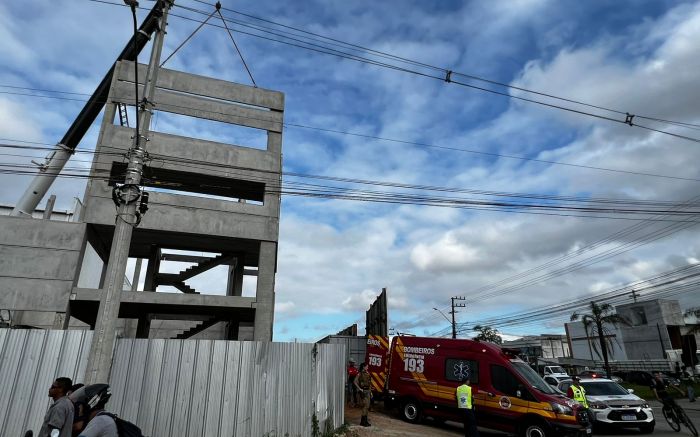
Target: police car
[613,406]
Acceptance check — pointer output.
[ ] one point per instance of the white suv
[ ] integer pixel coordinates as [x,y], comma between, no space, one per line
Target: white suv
[613,406]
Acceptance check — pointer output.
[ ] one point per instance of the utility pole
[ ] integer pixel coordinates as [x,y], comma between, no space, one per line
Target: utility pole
[634,295]
[454,305]
[127,196]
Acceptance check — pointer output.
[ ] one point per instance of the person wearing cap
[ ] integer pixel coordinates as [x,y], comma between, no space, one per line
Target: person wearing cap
[577,392]
[352,390]
[363,382]
[465,403]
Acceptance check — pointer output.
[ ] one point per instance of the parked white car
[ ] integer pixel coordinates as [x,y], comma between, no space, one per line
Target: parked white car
[613,406]
[555,380]
[556,371]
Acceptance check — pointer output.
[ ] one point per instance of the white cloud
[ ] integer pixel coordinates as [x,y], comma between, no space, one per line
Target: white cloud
[335,256]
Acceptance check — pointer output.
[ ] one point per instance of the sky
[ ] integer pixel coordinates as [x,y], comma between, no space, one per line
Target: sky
[335,256]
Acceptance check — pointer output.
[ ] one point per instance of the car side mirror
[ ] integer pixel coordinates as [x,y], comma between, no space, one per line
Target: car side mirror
[631,390]
[519,391]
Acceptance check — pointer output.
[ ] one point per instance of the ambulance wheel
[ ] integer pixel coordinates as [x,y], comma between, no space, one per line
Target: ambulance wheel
[534,429]
[410,411]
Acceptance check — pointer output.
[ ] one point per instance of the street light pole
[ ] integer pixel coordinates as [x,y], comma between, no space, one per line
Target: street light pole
[452,322]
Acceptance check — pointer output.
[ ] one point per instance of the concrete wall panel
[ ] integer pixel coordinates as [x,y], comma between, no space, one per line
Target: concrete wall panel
[199,107]
[210,154]
[206,86]
[169,212]
[38,263]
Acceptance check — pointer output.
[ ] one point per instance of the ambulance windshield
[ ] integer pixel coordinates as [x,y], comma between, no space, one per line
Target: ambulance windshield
[532,377]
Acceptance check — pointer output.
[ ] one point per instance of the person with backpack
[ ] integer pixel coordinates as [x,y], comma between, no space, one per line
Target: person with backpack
[89,402]
[93,420]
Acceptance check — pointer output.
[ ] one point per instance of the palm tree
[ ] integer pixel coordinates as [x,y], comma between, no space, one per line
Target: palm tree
[487,333]
[600,316]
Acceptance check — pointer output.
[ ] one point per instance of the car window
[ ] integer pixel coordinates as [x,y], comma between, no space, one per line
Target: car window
[532,378]
[504,381]
[549,380]
[564,386]
[604,389]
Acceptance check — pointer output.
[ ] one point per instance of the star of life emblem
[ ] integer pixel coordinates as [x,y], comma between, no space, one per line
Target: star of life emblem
[461,370]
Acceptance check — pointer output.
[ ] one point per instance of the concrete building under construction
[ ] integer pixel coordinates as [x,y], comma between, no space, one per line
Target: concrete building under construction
[209,204]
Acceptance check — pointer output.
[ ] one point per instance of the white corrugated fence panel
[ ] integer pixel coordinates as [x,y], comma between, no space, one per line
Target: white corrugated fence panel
[225,388]
[30,360]
[180,387]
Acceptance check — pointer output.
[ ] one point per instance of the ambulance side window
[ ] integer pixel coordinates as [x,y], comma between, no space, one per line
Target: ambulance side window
[456,368]
[504,381]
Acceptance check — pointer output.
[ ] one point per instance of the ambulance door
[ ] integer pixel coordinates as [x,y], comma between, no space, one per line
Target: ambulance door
[508,399]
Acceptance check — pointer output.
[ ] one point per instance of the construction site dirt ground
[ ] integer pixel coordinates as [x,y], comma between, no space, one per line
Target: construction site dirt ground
[388,423]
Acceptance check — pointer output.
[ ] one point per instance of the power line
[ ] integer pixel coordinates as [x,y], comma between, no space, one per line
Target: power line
[443,78]
[442,69]
[395,140]
[446,77]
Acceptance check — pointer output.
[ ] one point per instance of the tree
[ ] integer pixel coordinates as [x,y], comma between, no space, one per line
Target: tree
[487,333]
[595,322]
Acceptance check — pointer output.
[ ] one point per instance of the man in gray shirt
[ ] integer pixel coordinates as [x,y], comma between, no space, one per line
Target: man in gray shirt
[58,421]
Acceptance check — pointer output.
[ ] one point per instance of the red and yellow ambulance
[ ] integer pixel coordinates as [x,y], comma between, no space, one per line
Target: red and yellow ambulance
[422,376]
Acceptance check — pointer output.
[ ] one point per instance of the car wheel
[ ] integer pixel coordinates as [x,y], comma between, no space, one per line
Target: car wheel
[410,411]
[646,429]
[535,429]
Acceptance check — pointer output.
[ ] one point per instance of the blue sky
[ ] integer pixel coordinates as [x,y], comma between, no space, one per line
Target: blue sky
[636,56]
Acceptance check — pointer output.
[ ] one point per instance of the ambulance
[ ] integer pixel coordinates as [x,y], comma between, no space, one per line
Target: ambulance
[422,375]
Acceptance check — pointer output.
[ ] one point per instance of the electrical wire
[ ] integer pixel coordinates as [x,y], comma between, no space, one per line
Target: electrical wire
[314,47]
[405,142]
[445,70]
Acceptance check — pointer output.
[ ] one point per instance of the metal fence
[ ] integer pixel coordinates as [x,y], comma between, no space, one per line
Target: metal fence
[182,387]
[30,360]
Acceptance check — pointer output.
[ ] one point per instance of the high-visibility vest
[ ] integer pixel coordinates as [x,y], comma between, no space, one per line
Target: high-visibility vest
[579,395]
[464,396]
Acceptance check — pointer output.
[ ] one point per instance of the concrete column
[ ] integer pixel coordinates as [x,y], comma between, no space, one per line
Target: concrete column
[234,288]
[129,325]
[151,280]
[144,326]
[232,329]
[274,143]
[235,277]
[137,275]
[265,292]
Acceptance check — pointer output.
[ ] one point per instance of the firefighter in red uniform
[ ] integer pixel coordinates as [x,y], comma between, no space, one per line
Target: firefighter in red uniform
[352,390]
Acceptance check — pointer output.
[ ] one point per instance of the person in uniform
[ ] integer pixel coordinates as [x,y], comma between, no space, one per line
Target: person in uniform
[352,389]
[465,403]
[578,393]
[363,383]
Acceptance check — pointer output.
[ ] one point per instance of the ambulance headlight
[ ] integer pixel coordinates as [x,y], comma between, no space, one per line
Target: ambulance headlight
[561,409]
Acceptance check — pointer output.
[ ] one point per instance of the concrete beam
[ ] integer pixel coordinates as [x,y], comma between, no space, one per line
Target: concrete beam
[206,86]
[199,107]
[243,161]
[191,215]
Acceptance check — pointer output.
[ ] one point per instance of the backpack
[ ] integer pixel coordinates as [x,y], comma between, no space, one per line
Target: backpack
[124,427]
